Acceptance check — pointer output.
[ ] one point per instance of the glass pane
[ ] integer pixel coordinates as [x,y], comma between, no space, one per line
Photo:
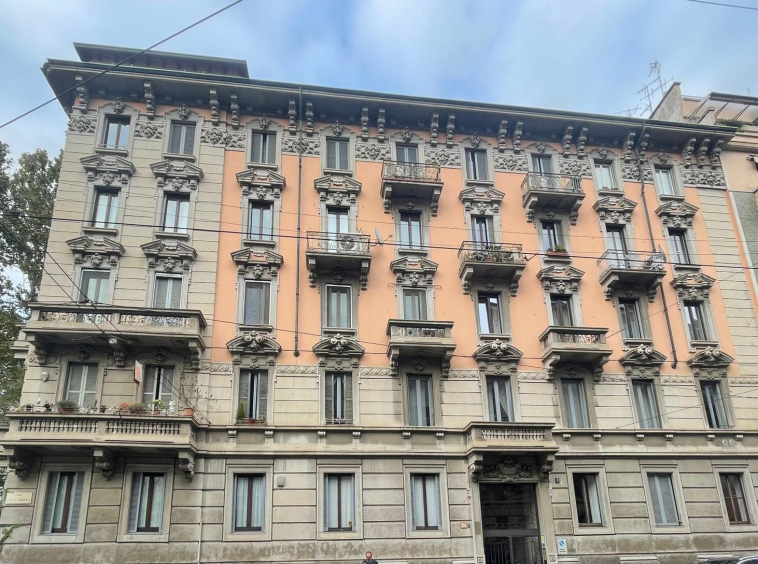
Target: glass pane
[575,400]
[647,407]
[713,403]
[256,303]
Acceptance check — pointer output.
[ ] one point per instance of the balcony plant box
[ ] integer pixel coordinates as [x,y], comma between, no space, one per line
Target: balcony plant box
[138,408]
[67,406]
[557,251]
[158,406]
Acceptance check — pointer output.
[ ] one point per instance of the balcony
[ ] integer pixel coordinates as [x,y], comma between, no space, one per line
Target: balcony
[557,192]
[498,262]
[416,181]
[583,347]
[337,253]
[420,339]
[509,437]
[631,270]
[85,324]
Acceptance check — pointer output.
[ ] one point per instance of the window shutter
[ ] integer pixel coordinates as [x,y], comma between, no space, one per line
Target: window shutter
[134,498]
[328,399]
[89,385]
[348,397]
[161,291]
[411,155]
[257,148]
[244,391]
[262,394]
[271,149]
[149,383]
[52,493]
[481,165]
[166,393]
[176,138]
[331,154]
[343,155]
[75,375]
[413,502]
[76,502]
[189,139]
[176,293]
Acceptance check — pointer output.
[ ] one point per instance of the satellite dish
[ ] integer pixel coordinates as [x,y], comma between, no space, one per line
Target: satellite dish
[379,239]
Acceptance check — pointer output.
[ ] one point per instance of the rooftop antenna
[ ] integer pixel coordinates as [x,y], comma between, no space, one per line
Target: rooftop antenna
[648,92]
[379,240]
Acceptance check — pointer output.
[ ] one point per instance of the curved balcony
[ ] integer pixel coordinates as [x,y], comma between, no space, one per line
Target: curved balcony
[411,180]
[583,346]
[498,262]
[334,253]
[420,338]
[558,192]
[631,270]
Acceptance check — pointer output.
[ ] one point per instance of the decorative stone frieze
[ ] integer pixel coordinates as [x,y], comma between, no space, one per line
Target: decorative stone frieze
[148,130]
[259,264]
[302,146]
[414,271]
[337,189]
[642,361]
[632,172]
[373,151]
[615,209]
[178,174]
[699,177]
[710,362]
[693,285]
[508,470]
[261,183]
[574,167]
[95,250]
[82,124]
[560,279]
[675,213]
[168,255]
[254,349]
[443,157]
[510,162]
[218,136]
[107,170]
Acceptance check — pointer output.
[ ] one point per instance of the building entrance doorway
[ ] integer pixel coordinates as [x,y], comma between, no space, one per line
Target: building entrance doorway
[510,524]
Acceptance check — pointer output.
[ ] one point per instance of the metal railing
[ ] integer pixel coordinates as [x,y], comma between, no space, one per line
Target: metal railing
[490,252]
[631,260]
[552,182]
[338,243]
[419,328]
[573,335]
[411,171]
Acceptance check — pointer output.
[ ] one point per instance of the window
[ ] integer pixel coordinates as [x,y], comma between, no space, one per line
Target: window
[664,178]
[94,286]
[414,303]
[264,148]
[116,134]
[339,502]
[476,164]
[158,384]
[646,404]
[253,391]
[256,303]
[713,402]
[425,502]
[587,496]
[694,316]
[420,401]
[410,230]
[679,246]
[734,499]
[249,502]
[81,384]
[182,139]
[168,292]
[106,208]
[407,154]
[575,403]
[542,164]
[617,240]
[631,320]
[146,503]
[663,499]
[336,154]
[483,231]
[490,318]
[561,308]
[176,213]
[63,503]
[552,236]
[605,177]
[499,398]
[338,398]
[260,222]
[338,308]
[337,222]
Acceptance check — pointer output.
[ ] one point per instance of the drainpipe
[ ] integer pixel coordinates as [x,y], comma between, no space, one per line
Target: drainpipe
[299,208]
[675,361]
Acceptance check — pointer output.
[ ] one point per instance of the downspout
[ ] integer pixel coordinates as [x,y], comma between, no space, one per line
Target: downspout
[299,207]
[675,361]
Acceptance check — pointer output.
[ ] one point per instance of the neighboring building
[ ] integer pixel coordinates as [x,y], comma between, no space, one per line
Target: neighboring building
[441,331]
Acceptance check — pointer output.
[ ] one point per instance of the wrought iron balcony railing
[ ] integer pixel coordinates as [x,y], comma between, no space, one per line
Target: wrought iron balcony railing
[490,252]
[338,243]
[552,182]
[631,260]
[411,171]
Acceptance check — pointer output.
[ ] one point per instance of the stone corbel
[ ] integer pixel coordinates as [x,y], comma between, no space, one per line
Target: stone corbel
[702,151]
[567,137]
[19,462]
[502,135]
[309,119]
[642,146]
[689,148]
[187,465]
[292,115]
[434,129]
[214,105]
[546,468]
[475,467]
[628,146]
[518,132]
[581,141]
[450,129]
[234,110]
[82,95]
[149,99]
[105,461]
[381,121]
[364,123]
[716,154]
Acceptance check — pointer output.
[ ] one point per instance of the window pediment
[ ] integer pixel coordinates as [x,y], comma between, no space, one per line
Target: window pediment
[258,263]
[105,170]
[560,279]
[96,250]
[332,348]
[414,271]
[694,286]
[254,349]
[677,213]
[169,252]
[336,189]
[177,173]
[613,209]
[497,357]
[642,362]
[710,362]
[261,182]
[482,200]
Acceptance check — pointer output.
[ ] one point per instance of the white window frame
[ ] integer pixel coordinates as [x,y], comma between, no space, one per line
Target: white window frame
[229,533]
[589,399]
[748,489]
[428,468]
[322,471]
[512,391]
[37,537]
[98,379]
[112,218]
[245,283]
[723,384]
[123,527]
[264,373]
[503,305]
[154,382]
[179,277]
[681,506]
[81,287]
[350,306]
[615,177]
[607,527]
[659,405]
[435,416]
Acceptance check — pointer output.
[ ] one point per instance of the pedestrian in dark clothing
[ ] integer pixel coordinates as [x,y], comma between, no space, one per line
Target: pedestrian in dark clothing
[369,559]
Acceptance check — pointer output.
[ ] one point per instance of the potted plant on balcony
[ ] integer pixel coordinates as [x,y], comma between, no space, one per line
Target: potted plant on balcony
[103,408]
[137,408]
[158,406]
[67,406]
[559,250]
[123,406]
[240,413]
[48,407]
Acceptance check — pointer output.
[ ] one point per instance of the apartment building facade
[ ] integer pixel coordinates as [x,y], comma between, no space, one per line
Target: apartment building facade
[288,323]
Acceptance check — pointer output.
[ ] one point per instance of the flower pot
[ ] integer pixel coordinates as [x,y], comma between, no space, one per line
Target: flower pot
[102,409]
[67,409]
[188,411]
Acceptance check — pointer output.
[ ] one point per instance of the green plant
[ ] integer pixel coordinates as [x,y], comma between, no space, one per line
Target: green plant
[158,404]
[240,411]
[137,407]
[67,404]
[123,406]
[559,248]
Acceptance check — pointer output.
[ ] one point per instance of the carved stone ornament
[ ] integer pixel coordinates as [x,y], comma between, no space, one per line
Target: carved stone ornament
[693,285]
[179,174]
[338,347]
[105,462]
[613,209]
[560,279]
[364,123]
[148,130]
[450,131]
[149,99]
[261,183]
[677,213]
[508,470]
[246,259]
[254,343]
[710,362]
[434,129]
[85,248]
[187,465]
[632,172]
[184,112]
[169,253]
[442,157]
[518,132]
[642,361]
[373,152]
[628,147]
[381,122]
[475,140]
[574,167]
[301,146]
[215,136]
[699,177]
[414,270]
[118,106]
[338,128]
[107,169]
[485,199]
[406,135]
[81,124]
[502,135]
[264,122]
[497,357]
[510,162]
[335,188]
[20,466]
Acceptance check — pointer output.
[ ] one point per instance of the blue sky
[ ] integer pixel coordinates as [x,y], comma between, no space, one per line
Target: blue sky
[583,55]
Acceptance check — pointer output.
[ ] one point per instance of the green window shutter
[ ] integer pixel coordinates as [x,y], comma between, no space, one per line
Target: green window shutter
[329,397]
[262,394]
[348,397]
[76,502]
